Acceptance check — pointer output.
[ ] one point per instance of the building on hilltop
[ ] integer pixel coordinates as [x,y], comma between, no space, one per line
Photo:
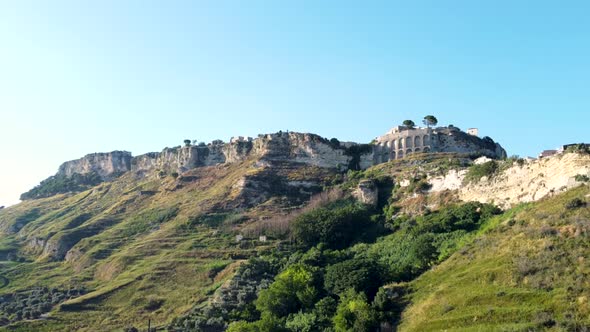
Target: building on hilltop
[402,141]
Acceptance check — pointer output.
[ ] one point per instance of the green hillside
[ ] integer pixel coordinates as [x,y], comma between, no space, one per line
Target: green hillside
[131,250]
[185,253]
[528,270]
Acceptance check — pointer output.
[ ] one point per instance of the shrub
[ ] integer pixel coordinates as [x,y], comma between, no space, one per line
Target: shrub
[338,225]
[294,289]
[389,302]
[359,274]
[424,240]
[476,172]
[302,322]
[575,203]
[354,313]
[153,303]
[356,151]
[578,148]
[582,178]
[59,184]
[334,143]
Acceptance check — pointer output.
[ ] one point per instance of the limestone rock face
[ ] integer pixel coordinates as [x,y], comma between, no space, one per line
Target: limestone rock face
[461,142]
[303,148]
[104,164]
[179,159]
[528,182]
[367,192]
[295,147]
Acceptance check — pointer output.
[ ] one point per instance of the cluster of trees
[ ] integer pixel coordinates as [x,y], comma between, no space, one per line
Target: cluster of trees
[31,304]
[337,225]
[59,184]
[341,279]
[312,294]
[429,120]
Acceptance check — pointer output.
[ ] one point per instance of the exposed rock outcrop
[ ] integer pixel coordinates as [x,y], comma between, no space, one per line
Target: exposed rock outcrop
[106,165]
[367,192]
[303,148]
[528,182]
[296,147]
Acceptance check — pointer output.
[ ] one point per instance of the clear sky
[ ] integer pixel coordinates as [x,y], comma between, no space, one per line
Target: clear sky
[78,77]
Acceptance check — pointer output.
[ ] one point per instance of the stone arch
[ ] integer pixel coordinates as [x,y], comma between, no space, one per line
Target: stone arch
[384,157]
[408,142]
[392,156]
[408,151]
[400,143]
[417,141]
[426,149]
[425,140]
[400,154]
[416,150]
[394,145]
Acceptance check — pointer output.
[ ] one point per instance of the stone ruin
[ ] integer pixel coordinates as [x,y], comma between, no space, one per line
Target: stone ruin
[402,141]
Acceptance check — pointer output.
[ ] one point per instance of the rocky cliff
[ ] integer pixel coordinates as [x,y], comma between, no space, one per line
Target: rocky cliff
[104,164]
[296,147]
[456,141]
[303,148]
[522,182]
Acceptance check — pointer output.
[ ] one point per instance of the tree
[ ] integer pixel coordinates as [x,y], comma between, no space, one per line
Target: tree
[337,226]
[187,142]
[359,274]
[409,123]
[302,322]
[294,289]
[354,313]
[430,120]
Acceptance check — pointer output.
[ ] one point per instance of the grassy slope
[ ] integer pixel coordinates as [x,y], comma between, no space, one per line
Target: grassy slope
[128,263]
[529,270]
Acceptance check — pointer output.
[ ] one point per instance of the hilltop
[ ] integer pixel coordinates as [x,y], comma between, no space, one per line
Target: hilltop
[192,236]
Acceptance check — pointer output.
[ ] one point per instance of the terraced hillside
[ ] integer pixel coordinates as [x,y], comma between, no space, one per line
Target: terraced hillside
[136,249]
[282,245]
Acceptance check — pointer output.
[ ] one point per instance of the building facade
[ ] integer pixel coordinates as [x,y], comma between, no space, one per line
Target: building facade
[401,141]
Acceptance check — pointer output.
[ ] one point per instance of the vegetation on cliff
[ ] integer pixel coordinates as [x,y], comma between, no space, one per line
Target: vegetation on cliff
[59,184]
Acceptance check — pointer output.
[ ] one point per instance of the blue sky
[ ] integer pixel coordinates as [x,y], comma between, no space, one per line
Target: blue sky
[78,77]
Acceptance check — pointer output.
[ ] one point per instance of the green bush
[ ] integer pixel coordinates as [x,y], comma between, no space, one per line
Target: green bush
[582,178]
[337,225]
[424,240]
[302,322]
[354,313]
[575,203]
[476,172]
[362,275]
[59,184]
[293,290]
[578,148]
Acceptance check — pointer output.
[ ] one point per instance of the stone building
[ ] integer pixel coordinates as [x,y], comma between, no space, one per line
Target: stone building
[402,141]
